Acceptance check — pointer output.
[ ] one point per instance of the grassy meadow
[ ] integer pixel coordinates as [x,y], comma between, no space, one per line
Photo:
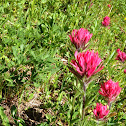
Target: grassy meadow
[36,86]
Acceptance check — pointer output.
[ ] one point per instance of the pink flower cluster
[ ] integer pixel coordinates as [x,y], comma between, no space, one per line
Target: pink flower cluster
[106,21]
[109,5]
[80,37]
[121,55]
[86,63]
[110,90]
[101,111]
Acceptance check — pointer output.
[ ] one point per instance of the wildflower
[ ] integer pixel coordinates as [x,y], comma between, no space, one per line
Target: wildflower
[101,111]
[110,90]
[86,63]
[125,71]
[109,5]
[80,37]
[106,21]
[121,55]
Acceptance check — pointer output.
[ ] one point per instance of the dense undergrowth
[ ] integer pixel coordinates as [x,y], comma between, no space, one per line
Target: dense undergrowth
[35,50]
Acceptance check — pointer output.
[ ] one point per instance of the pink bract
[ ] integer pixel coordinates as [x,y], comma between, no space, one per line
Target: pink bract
[106,21]
[125,71]
[101,111]
[87,63]
[80,37]
[121,55]
[109,5]
[110,90]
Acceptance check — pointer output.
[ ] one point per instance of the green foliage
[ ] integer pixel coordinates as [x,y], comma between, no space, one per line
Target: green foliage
[18,121]
[3,117]
[33,41]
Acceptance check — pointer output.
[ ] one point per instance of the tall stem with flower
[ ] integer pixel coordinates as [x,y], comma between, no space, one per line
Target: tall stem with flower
[85,63]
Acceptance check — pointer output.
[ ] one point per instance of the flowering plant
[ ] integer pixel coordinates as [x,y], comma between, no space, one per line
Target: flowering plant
[121,55]
[88,63]
[100,111]
[109,5]
[110,90]
[106,21]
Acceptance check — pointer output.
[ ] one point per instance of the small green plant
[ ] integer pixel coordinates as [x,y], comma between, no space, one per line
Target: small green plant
[3,117]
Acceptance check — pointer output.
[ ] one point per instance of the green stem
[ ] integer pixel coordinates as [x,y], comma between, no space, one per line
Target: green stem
[110,104]
[97,123]
[76,82]
[71,114]
[84,100]
[0,93]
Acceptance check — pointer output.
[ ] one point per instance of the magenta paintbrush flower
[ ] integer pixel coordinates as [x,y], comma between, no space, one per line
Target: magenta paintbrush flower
[106,21]
[109,5]
[101,111]
[110,90]
[80,37]
[121,55]
[86,63]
